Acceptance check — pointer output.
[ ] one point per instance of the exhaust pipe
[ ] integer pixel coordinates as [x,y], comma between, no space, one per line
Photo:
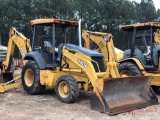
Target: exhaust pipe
[79,32]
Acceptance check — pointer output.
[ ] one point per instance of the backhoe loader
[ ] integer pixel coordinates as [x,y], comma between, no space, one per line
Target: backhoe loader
[70,68]
[7,81]
[100,39]
[142,59]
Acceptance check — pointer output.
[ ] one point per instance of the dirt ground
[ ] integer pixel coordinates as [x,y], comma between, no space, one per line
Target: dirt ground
[18,105]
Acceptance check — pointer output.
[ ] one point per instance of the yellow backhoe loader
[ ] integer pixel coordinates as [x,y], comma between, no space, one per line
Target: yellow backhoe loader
[69,68]
[143,56]
[7,81]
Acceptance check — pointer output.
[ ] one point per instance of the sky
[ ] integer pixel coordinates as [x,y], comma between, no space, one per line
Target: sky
[156,3]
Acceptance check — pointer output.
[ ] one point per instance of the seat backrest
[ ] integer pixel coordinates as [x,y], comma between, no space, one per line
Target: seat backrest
[48,46]
[60,51]
[137,54]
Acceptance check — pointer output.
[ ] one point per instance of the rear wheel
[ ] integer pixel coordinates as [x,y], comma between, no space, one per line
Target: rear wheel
[67,89]
[129,69]
[31,78]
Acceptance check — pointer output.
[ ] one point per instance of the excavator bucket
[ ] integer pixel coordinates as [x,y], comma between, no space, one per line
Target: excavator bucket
[6,77]
[124,94]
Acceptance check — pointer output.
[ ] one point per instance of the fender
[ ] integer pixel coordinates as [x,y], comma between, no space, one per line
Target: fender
[135,60]
[37,57]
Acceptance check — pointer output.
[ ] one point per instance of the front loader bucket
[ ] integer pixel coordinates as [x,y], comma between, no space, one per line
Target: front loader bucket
[124,94]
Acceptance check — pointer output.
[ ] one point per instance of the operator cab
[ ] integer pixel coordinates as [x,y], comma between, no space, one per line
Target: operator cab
[144,45]
[49,37]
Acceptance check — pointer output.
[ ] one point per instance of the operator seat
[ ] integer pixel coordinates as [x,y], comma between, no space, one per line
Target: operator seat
[60,47]
[48,46]
[137,54]
[47,52]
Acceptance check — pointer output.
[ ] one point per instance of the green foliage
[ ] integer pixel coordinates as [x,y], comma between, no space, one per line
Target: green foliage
[97,15]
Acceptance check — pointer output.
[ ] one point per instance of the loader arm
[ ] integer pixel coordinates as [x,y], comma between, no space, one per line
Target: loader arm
[105,44]
[19,40]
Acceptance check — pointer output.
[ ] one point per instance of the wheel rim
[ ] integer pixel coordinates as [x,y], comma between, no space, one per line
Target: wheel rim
[125,73]
[29,77]
[63,89]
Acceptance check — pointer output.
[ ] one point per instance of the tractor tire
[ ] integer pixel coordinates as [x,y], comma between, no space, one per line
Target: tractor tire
[66,89]
[31,78]
[129,69]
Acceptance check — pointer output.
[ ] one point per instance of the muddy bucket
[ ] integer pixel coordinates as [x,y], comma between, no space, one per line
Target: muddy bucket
[6,77]
[124,94]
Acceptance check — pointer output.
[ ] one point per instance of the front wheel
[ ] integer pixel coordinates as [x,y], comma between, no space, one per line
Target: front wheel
[127,69]
[67,89]
[31,78]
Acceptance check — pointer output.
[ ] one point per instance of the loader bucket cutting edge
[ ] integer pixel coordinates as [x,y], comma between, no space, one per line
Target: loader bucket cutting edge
[124,94]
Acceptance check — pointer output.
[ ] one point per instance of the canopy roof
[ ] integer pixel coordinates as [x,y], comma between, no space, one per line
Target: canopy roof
[140,26]
[55,21]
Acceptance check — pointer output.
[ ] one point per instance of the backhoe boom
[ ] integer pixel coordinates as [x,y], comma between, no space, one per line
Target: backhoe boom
[102,40]
[19,40]
[23,44]
[106,46]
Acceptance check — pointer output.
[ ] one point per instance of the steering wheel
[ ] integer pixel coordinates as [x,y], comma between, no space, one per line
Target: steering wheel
[37,48]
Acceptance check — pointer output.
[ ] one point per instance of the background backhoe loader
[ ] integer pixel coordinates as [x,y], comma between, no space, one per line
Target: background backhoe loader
[143,56]
[70,68]
[15,39]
